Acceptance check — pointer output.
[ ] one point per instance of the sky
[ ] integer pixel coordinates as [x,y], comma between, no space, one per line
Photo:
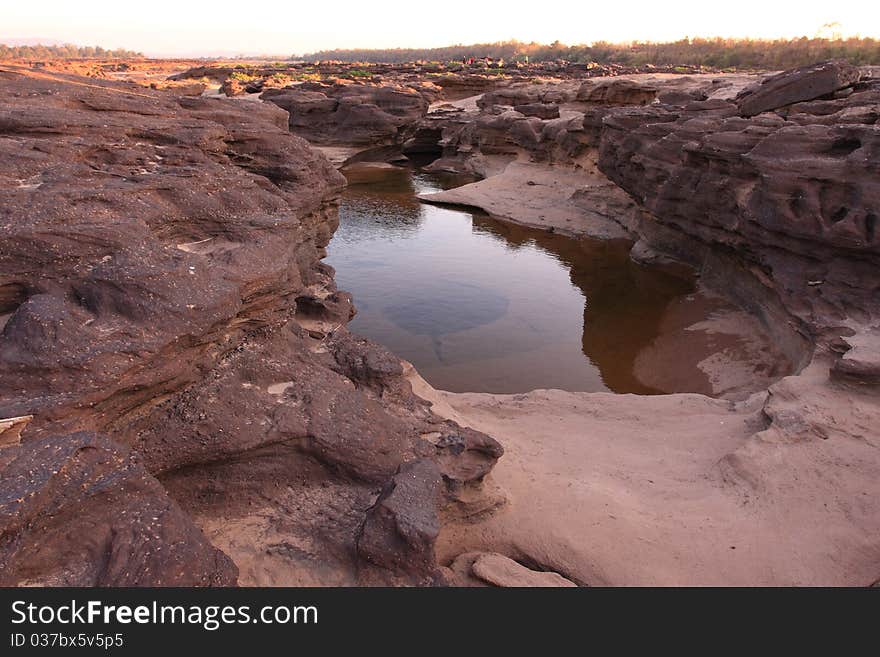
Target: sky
[224,27]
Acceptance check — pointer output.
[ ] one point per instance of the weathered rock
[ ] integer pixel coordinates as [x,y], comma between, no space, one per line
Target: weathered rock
[400,529]
[457,86]
[11,428]
[460,572]
[234,87]
[861,362]
[681,96]
[130,226]
[217,73]
[617,92]
[181,88]
[161,283]
[79,510]
[540,110]
[797,85]
[526,94]
[499,570]
[425,140]
[350,113]
[464,455]
[794,196]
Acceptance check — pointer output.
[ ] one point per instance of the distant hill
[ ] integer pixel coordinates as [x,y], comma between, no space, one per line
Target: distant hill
[713,52]
[10,50]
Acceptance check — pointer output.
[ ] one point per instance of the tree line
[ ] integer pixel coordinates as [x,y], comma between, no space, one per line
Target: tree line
[718,53]
[65,51]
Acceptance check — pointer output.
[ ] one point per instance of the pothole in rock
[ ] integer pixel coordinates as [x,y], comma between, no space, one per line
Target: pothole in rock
[479,305]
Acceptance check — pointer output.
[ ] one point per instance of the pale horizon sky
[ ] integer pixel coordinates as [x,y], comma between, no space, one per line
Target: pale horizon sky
[224,27]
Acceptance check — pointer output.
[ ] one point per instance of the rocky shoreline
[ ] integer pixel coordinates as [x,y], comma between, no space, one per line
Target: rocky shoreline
[769,191]
[183,355]
[201,415]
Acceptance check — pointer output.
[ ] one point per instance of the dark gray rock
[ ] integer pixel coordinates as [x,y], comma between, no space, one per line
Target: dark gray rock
[401,528]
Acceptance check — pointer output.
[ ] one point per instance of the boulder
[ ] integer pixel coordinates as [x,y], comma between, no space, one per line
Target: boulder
[233,87]
[861,363]
[797,85]
[401,528]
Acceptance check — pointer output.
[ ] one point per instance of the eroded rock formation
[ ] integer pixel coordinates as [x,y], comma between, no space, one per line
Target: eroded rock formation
[81,509]
[178,378]
[366,114]
[768,187]
[162,291]
[793,192]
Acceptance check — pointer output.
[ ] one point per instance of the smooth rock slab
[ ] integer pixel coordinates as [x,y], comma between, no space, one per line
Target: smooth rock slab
[499,570]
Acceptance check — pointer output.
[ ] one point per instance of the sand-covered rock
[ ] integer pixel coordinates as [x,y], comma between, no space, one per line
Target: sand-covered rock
[499,570]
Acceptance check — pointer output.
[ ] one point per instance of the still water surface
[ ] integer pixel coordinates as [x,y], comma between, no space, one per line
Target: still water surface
[485,306]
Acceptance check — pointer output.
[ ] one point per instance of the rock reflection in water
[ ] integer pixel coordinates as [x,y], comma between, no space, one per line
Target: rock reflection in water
[625,302]
[481,305]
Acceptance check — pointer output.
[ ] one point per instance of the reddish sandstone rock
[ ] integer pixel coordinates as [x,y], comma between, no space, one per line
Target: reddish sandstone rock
[617,92]
[540,110]
[797,85]
[130,227]
[794,195]
[498,570]
[350,113]
[161,283]
[79,510]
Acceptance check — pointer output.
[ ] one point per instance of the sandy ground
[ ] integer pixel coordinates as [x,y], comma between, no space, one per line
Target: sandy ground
[680,489]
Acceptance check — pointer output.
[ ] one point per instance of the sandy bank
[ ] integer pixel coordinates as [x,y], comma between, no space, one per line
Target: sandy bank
[679,489]
[560,199]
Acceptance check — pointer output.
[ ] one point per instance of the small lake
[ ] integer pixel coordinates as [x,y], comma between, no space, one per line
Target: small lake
[479,305]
